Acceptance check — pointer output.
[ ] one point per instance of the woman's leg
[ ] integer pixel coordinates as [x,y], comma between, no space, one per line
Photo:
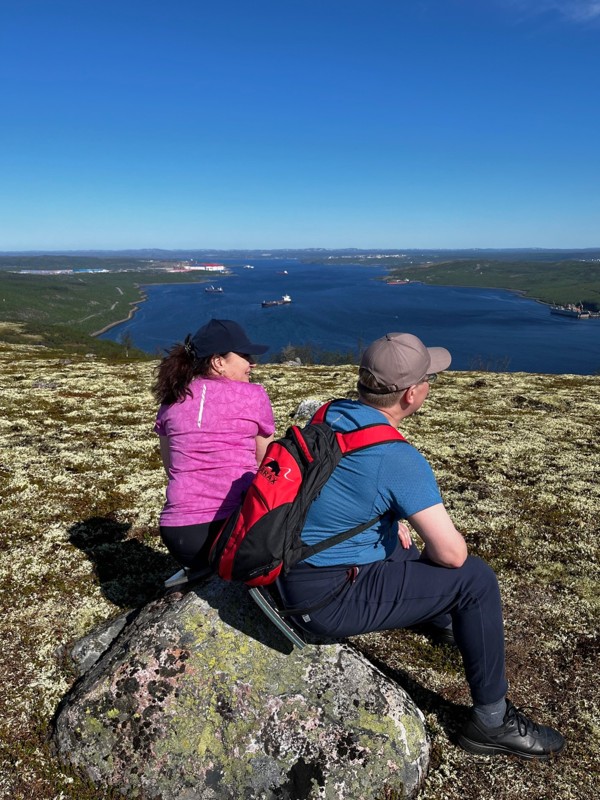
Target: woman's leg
[190,544]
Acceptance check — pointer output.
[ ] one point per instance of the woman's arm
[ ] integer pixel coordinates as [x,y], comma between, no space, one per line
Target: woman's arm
[262,443]
[165,453]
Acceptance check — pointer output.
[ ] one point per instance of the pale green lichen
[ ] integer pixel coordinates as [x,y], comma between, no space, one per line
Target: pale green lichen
[516,457]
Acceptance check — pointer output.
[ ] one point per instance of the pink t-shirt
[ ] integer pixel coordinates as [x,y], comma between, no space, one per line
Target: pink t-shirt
[212,448]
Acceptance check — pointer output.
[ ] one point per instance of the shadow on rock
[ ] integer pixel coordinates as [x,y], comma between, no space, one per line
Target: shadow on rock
[236,608]
[130,573]
[450,716]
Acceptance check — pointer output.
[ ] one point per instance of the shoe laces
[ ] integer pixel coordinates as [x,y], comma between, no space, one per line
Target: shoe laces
[523,722]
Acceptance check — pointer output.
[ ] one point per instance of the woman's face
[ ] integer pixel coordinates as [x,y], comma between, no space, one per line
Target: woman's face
[235,366]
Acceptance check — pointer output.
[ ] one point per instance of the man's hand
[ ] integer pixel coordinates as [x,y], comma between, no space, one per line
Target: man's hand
[404,536]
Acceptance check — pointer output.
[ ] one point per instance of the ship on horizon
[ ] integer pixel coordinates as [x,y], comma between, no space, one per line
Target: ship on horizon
[284,301]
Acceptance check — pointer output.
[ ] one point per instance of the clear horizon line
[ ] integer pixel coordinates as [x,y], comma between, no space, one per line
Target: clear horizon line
[63,251]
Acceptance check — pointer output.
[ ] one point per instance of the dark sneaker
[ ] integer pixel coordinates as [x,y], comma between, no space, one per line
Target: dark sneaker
[434,633]
[517,736]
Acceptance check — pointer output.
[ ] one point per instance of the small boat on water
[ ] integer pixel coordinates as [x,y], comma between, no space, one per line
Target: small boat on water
[248,266]
[214,289]
[282,272]
[398,282]
[570,310]
[285,300]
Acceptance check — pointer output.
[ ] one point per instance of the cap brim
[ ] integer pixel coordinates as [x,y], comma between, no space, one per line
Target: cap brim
[440,359]
[257,349]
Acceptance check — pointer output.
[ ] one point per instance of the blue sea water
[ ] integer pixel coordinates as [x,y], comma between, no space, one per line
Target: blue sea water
[345,307]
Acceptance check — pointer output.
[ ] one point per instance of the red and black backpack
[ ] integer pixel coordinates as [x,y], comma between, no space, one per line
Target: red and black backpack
[262,537]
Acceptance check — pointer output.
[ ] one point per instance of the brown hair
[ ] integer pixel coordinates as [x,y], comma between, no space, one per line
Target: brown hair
[175,373]
[366,381]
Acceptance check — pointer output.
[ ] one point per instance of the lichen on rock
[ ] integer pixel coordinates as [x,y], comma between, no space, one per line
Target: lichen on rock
[198,696]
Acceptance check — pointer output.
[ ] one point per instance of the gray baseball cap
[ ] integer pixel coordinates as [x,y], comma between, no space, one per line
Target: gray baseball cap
[400,360]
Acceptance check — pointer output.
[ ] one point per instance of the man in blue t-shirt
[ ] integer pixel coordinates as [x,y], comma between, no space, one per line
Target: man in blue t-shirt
[378,579]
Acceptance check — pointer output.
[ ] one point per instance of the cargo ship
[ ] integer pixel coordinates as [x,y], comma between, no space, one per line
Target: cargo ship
[570,310]
[282,302]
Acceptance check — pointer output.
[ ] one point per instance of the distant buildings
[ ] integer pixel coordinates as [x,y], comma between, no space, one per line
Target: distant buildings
[178,266]
[55,271]
[187,266]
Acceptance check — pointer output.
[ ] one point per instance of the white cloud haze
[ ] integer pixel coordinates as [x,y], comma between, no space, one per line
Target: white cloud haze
[574,10]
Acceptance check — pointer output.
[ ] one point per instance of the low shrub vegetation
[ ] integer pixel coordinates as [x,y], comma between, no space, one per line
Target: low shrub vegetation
[82,486]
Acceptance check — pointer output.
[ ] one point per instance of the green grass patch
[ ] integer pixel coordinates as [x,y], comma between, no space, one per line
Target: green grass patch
[63,311]
[551,282]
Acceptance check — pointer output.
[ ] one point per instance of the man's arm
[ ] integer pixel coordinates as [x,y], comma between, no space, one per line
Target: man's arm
[444,545]
[261,445]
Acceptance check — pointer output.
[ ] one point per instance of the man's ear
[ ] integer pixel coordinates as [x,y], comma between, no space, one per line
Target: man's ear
[409,394]
[405,399]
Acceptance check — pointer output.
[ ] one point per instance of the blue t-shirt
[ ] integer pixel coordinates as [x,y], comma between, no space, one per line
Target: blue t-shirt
[391,477]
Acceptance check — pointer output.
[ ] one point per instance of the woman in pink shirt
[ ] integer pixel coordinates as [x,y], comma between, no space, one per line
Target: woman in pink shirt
[214,427]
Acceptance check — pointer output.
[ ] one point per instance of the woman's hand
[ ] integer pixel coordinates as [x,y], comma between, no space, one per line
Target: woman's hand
[404,536]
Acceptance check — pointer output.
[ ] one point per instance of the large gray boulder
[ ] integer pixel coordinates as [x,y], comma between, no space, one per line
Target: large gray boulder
[199,696]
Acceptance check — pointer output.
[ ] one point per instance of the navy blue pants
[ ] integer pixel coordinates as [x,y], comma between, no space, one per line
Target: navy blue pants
[406,590]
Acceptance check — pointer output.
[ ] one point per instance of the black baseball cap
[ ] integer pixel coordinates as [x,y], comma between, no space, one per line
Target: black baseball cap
[224,336]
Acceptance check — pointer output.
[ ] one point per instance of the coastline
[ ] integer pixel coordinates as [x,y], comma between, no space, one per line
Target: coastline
[135,306]
[523,293]
[142,299]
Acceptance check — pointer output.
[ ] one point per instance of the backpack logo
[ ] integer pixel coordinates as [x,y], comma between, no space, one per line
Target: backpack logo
[273,466]
[270,470]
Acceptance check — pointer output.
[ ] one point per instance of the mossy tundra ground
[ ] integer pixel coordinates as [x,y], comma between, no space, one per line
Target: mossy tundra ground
[517,459]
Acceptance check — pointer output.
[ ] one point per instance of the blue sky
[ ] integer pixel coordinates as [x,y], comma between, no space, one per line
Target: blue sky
[299,123]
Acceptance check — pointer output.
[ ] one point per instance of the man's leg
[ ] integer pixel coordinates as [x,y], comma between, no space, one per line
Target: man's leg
[438,628]
[404,591]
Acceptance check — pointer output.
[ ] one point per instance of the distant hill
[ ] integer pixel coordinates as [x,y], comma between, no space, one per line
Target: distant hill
[504,254]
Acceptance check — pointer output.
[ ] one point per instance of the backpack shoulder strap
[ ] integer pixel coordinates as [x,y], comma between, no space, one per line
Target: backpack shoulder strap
[349,442]
[371,435]
[319,415]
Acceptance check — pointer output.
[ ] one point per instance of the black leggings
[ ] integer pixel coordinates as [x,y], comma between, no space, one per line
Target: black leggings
[190,544]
